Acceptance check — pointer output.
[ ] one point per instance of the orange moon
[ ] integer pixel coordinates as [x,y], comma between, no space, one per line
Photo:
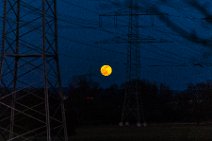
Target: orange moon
[106,70]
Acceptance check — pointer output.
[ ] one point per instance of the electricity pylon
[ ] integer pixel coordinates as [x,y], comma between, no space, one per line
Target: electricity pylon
[132,106]
[31,99]
[132,110]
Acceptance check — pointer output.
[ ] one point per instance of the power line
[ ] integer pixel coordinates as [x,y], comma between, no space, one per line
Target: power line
[63,19]
[90,27]
[79,6]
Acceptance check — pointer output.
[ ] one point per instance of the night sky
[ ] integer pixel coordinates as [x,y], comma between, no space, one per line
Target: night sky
[183,56]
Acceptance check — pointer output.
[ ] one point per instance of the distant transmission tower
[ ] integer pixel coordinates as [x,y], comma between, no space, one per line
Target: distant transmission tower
[31,99]
[132,110]
[132,106]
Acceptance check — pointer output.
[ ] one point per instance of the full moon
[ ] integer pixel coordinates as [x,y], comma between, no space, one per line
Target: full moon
[106,70]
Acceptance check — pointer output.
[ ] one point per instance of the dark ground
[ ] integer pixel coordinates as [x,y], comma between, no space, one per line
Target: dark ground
[159,132]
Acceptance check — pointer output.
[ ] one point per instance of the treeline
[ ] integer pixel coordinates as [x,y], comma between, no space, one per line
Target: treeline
[88,103]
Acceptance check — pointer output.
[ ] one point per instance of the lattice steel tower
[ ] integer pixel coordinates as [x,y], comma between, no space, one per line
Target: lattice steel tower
[132,106]
[132,110]
[31,100]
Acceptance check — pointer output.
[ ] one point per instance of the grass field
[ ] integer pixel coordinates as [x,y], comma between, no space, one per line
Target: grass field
[163,132]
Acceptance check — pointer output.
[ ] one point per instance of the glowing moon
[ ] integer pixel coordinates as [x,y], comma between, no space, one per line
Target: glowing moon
[106,70]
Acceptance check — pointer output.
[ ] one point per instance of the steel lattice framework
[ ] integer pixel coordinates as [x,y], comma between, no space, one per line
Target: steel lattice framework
[132,109]
[31,99]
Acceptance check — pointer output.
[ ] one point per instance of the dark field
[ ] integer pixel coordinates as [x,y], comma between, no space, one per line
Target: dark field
[165,132]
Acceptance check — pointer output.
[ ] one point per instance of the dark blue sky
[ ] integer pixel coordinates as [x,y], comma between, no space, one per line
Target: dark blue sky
[175,64]
[182,61]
